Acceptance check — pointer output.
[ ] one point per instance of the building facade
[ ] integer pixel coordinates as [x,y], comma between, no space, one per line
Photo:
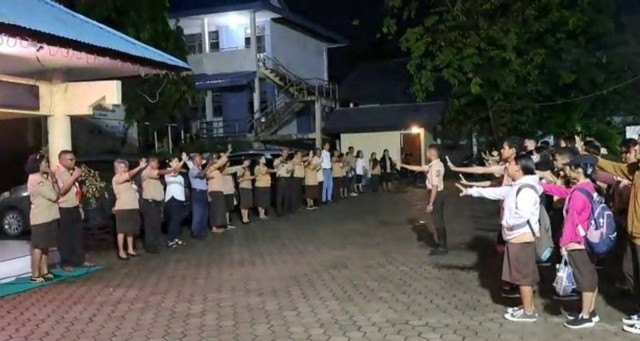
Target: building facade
[264,69]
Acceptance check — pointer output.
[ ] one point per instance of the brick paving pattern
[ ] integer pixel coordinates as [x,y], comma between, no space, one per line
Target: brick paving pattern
[351,271]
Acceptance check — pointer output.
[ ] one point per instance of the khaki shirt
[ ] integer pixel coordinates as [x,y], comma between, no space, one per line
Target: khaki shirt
[244,178]
[375,170]
[298,168]
[215,181]
[70,199]
[350,161]
[337,168]
[263,178]
[151,186]
[44,206]
[283,168]
[435,175]
[311,174]
[126,193]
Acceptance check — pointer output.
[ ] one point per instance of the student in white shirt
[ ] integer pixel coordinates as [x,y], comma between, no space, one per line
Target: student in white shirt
[174,198]
[521,209]
[327,174]
[360,170]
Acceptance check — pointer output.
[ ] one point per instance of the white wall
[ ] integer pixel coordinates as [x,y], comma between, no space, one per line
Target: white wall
[299,53]
[373,142]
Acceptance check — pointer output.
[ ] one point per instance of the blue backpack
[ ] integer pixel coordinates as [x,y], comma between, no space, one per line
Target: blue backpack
[601,234]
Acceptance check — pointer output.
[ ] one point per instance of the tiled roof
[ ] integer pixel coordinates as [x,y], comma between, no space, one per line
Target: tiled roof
[378,118]
[50,18]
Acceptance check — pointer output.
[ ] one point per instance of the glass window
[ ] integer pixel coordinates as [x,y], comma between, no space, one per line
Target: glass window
[214,41]
[194,43]
[216,102]
[259,37]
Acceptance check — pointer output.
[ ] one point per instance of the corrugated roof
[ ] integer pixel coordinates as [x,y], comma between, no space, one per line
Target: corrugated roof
[383,118]
[50,18]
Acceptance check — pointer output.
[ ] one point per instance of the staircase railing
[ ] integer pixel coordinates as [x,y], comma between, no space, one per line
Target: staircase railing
[272,115]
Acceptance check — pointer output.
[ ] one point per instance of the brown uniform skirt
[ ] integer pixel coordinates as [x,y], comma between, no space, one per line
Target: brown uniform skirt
[217,209]
[44,236]
[312,191]
[519,264]
[246,198]
[230,202]
[584,270]
[128,222]
[263,197]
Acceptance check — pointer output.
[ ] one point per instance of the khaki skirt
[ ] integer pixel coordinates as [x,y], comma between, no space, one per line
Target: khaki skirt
[128,222]
[44,236]
[519,264]
[246,198]
[263,197]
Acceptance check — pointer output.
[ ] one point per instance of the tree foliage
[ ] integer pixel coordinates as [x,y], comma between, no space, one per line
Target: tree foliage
[157,99]
[510,63]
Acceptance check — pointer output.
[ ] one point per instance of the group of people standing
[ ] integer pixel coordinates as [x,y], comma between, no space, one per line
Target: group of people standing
[525,188]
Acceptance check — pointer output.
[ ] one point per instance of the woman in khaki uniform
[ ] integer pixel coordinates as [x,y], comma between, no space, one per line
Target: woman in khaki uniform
[311,186]
[127,207]
[374,165]
[245,180]
[43,216]
[216,187]
[229,190]
[298,180]
[337,170]
[263,187]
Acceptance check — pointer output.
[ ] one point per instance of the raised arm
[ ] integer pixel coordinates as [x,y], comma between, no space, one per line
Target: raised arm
[492,193]
[498,169]
[556,190]
[132,172]
[623,170]
[415,168]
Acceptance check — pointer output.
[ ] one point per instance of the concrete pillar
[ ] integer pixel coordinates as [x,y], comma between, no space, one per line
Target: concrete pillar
[208,105]
[254,52]
[59,135]
[205,35]
[318,117]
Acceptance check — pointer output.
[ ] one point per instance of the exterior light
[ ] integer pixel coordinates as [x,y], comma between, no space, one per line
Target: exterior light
[415,130]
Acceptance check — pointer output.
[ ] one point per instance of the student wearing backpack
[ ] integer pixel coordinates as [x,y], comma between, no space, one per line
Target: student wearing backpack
[520,226]
[577,217]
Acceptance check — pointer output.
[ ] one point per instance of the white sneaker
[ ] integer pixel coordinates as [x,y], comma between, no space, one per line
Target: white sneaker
[231,227]
[633,329]
[519,315]
[354,194]
[631,320]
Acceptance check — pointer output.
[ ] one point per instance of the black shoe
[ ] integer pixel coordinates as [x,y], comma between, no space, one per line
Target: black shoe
[123,258]
[593,316]
[580,322]
[438,252]
[510,292]
[571,297]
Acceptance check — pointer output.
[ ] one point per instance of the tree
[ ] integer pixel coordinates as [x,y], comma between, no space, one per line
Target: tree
[157,99]
[522,66]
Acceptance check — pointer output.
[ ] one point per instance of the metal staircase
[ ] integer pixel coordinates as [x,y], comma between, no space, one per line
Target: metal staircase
[295,92]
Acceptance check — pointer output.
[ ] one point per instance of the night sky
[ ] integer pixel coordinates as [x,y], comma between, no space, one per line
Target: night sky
[339,16]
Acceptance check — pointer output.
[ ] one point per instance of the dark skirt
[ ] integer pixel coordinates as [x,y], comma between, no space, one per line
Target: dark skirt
[359,179]
[312,192]
[386,178]
[584,270]
[217,209]
[519,264]
[246,198]
[263,197]
[230,202]
[128,222]
[338,182]
[44,236]
[375,182]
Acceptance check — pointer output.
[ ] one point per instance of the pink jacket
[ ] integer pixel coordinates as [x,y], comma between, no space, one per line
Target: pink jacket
[577,211]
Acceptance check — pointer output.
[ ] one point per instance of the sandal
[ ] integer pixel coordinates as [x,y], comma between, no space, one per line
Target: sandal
[37,280]
[48,277]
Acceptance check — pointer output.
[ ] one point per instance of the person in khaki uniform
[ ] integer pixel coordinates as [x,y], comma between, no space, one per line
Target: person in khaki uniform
[298,180]
[435,205]
[284,169]
[376,170]
[151,204]
[311,185]
[245,181]
[229,189]
[43,215]
[216,186]
[70,241]
[263,187]
[338,172]
[127,206]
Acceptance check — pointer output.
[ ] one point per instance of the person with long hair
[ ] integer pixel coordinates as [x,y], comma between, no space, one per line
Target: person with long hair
[127,206]
[174,199]
[262,190]
[297,181]
[245,183]
[361,168]
[311,186]
[43,215]
[215,182]
[581,171]
[229,190]
[339,173]
[374,165]
[387,167]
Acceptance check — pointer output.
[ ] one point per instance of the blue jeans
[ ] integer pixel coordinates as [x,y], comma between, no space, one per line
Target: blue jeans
[199,213]
[327,185]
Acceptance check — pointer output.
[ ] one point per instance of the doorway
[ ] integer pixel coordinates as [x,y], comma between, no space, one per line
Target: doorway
[411,148]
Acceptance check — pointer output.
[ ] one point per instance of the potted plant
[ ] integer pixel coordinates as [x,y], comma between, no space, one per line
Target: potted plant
[93,191]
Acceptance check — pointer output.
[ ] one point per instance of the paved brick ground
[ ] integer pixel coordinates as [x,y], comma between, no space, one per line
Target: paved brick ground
[352,271]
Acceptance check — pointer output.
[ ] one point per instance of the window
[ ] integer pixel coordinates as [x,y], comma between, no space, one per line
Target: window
[259,37]
[216,102]
[194,43]
[214,41]
[198,110]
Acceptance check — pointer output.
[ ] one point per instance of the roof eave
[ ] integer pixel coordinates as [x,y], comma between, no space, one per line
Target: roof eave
[214,10]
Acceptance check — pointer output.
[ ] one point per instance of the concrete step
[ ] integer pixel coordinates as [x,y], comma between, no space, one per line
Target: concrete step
[15,259]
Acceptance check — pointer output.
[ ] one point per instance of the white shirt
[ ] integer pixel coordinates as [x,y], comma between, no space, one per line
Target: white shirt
[360,166]
[326,159]
[175,187]
[517,211]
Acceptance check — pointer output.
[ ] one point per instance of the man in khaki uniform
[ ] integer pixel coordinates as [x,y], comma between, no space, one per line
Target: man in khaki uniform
[284,170]
[435,206]
[70,237]
[350,163]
